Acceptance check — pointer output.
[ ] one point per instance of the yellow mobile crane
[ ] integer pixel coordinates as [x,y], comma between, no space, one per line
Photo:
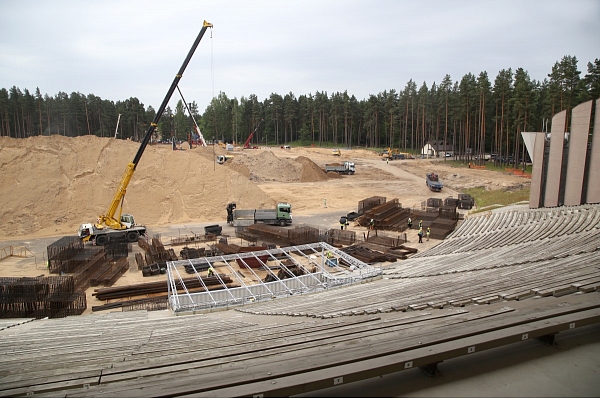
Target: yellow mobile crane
[107,226]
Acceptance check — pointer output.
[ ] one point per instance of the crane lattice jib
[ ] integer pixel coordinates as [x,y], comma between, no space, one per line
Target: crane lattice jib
[109,219]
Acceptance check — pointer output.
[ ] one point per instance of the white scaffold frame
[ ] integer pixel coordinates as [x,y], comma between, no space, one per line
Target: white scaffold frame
[323,272]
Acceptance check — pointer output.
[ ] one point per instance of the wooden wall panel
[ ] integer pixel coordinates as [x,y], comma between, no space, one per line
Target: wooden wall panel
[555,159]
[580,128]
[535,193]
[593,186]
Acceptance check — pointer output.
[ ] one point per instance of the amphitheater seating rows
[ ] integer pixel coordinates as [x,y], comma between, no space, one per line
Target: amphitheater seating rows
[177,360]
[533,257]
[422,292]
[561,241]
[560,225]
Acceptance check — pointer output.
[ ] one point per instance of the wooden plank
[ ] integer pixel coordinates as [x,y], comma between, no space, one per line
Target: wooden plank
[324,378]
[294,362]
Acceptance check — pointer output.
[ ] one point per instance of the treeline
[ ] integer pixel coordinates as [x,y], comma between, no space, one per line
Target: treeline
[473,115]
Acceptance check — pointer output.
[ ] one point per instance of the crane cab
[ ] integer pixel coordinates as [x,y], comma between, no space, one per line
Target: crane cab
[127,220]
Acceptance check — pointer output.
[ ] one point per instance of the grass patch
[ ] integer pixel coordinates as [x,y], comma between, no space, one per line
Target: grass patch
[490,199]
[488,166]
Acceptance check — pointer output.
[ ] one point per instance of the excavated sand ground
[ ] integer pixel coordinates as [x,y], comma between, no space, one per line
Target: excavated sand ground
[50,185]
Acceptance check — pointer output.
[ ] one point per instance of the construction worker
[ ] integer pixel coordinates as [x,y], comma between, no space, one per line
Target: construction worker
[409,223]
[371,224]
[420,224]
[211,271]
[428,233]
[420,235]
[343,222]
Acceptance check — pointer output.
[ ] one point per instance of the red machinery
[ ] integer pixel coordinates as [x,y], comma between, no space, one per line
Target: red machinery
[247,142]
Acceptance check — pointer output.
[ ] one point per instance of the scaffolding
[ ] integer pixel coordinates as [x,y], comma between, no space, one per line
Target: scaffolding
[310,267]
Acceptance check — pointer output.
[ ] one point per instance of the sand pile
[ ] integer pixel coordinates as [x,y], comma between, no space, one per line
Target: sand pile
[264,166]
[50,185]
[311,172]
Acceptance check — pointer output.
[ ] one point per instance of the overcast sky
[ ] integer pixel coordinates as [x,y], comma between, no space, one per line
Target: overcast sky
[121,49]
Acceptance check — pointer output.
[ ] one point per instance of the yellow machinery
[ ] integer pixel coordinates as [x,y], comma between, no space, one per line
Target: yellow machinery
[336,152]
[109,220]
[390,154]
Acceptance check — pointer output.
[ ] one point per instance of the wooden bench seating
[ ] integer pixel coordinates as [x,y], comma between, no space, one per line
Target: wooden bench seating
[330,350]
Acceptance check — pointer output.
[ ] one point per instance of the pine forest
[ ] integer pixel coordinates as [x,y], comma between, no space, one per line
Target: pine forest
[474,115]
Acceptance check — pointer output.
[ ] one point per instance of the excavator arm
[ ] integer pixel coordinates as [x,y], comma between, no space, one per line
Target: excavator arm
[109,218]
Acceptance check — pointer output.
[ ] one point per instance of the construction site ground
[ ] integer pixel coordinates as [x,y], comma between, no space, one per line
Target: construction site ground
[51,185]
[52,192]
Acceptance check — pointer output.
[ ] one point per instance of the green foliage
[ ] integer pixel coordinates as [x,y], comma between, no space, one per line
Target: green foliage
[489,199]
[471,115]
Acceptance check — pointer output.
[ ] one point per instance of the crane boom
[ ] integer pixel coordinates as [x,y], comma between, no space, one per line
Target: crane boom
[109,219]
[247,143]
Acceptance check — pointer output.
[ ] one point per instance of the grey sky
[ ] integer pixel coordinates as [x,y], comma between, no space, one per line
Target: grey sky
[121,49]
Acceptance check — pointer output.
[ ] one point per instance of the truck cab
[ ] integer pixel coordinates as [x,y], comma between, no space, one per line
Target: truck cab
[284,212]
[350,167]
[128,220]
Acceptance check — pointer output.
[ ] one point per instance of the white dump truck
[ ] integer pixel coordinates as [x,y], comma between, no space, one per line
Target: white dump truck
[281,215]
[347,168]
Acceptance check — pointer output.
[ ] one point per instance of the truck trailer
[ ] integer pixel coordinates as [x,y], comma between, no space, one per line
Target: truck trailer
[347,168]
[282,216]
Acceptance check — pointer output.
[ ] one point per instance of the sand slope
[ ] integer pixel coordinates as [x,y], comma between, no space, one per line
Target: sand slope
[50,185]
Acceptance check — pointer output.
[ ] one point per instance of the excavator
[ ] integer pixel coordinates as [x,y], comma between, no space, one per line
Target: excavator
[109,227]
[247,142]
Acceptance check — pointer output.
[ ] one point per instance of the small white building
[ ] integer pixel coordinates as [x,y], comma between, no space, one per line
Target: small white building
[437,149]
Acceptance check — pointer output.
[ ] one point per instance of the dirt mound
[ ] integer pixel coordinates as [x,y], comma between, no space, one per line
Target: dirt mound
[262,166]
[50,185]
[311,172]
